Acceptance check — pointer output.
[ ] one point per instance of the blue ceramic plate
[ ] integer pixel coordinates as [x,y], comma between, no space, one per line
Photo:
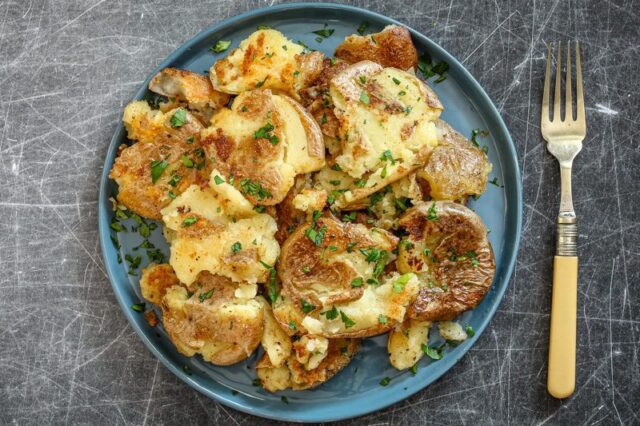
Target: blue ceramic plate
[356,390]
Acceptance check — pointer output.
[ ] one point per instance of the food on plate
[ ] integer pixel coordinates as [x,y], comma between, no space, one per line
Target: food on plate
[308,202]
[211,233]
[391,47]
[295,374]
[155,281]
[193,320]
[190,90]
[447,246]
[267,60]
[262,143]
[457,168]
[165,159]
[405,343]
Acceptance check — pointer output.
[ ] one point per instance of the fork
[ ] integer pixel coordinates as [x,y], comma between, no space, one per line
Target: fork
[564,141]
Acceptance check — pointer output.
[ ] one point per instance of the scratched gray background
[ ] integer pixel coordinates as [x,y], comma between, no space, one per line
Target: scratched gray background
[67,354]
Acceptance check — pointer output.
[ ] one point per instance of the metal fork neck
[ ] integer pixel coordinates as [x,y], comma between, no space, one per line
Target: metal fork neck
[567,229]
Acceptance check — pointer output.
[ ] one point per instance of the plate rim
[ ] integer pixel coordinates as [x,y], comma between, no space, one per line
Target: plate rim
[511,246]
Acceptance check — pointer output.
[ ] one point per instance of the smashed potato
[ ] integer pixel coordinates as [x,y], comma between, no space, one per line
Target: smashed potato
[262,143]
[294,375]
[189,89]
[268,60]
[447,247]
[155,281]
[211,233]
[212,321]
[405,343]
[456,168]
[391,47]
[165,160]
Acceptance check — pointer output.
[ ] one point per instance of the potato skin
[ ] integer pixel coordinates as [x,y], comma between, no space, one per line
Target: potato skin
[156,280]
[294,375]
[156,139]
[194,322]
[392,48]
[460,265]
[456,169]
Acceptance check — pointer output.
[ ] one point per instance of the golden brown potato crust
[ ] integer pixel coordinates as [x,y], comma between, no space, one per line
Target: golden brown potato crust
[306,267]
[392,48]
[458,265]
[213,322]
[157,140]
[189,89]
[456,168]
[155,281]
[340,353]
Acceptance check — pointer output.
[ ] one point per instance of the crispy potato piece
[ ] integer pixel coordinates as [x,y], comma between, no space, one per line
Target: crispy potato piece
[212,321]
[288,315]
[216,230]
[386,128]
[379,309]
[405,343]
[158,140]
[456,168]
[321,272]
[155,281]
[310,200]
[294,375]
[264,141]
[275,341]
[448,248]
[189,89]
[391,47]
[452,331]
[268,60]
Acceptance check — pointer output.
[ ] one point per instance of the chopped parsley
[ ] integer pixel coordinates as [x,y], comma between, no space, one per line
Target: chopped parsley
[474,136]
[254,188]
[264,27]
[433,353]
[284,399]
[336,167]
[220,46]
[324,119]
[414,369]
[174,180]
[273,288]
[364,98]
[363,79]
[218,180]
[186,369]
[204,296]
[138,307]
[432,213]
[349,217]
[236,247]
[186,161]
[179,118]
[335,182]
[385,381]
[190,139]
[316,236]
[325,32]
[157,168]
[189,221]
[306,269]
[306,306]
[348,322]
[470,331]
[261,83]
[494,181]
[331,314]
[350,247]
[395,80]
[401,204]
[265,132]
[363,27]
[357,282]
[360,183]
[382,319]
[292,325]
[400,283]
[258,208]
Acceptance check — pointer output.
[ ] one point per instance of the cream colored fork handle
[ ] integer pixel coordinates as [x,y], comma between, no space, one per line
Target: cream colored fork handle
[561,377]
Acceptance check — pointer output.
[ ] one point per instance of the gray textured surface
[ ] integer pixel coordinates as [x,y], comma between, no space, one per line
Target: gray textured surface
[67,354]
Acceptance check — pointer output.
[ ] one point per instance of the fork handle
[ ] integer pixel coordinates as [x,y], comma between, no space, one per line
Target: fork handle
[561,376]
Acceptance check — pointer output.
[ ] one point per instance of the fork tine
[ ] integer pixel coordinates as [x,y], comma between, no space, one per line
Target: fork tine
[568,108]
[547,88]
[557,97]
[579,95]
